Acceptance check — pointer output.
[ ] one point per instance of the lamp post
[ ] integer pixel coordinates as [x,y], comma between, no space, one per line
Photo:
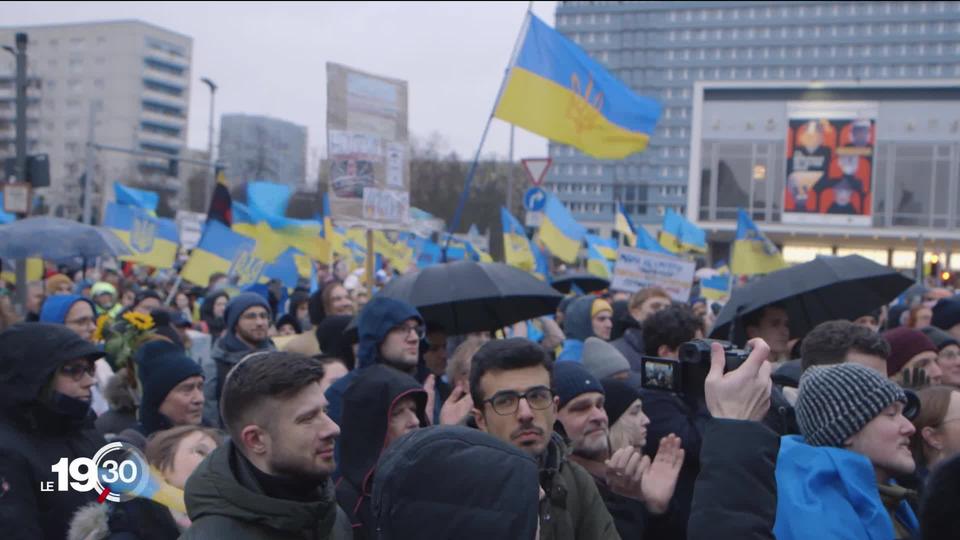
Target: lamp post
[208,192]
[21,149]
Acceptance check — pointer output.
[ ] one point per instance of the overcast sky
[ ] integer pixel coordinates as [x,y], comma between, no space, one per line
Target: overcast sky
[269,58]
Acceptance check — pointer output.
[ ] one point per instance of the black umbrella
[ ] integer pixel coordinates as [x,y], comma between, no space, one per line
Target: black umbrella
[823,289]
[57,239]
[586,282]
[467,296]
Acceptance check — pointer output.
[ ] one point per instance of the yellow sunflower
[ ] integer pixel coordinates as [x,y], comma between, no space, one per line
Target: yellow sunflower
[102,321]
[138,320]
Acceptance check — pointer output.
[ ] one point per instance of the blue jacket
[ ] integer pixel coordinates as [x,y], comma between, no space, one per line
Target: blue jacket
[825,492]
[577,327]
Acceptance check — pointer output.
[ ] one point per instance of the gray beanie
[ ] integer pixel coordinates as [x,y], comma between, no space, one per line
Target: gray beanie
[602,359]
[835,402]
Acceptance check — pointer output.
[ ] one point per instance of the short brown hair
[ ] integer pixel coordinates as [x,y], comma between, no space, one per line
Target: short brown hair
[261,376]
[829,342]
[641,296]
[934,402]
[163,445]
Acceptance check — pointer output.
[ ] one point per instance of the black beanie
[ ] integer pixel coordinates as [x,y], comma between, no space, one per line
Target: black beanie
[619,397]
[161,366]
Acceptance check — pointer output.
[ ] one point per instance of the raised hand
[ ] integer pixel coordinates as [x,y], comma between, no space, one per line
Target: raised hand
[456,407]
[429,386]
[625,470]
[660,479]
[744,393]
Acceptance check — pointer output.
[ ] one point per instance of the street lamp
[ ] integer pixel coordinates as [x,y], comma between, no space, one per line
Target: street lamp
[209,190]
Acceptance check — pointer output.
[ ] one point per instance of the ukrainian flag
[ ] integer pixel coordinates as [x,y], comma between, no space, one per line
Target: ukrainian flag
[559,232]
[223,250]
[649,243]
[753,253]
[428,253]
[716,287]
[333,235]
[555,90]
[152,241]
[541,268]
[605,246]
[516,245]
[284,268]
[138,198]
[597,263]
[623,225]
[268,197]
[679,235]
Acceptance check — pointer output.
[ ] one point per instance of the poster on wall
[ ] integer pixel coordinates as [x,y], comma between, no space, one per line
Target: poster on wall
[830,155]
[368,150]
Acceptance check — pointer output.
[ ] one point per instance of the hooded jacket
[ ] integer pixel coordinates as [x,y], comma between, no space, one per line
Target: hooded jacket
[376,320]
[55,308]
[577,327]
[38,429]
[825,492]
[367,408]
[224,500]
[226,353]
[455,482]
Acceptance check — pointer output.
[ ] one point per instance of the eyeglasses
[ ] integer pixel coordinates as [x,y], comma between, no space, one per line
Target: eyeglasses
[949,355]
[76,370]
[83,321]
[406,329]
[508,401]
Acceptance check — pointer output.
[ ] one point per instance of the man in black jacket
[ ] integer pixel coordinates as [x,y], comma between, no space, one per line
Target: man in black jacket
[46,376]
[380,406]
[272,479]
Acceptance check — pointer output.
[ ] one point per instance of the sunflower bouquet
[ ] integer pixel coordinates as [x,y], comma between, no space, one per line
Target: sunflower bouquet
[124,336]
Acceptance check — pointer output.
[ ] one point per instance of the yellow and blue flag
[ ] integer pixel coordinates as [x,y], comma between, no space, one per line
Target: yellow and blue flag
[284,268]
[605,246]
[715,287]
[223,250]
[516,245]
[268,197]
[554,89]
[138,198]
[623,225]
[541,268]
[152,241]
[753,253]
[428,253]
[559,232]
[679,235]
[597,263]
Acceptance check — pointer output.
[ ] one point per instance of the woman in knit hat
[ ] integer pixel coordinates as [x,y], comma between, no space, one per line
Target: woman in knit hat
[948,355]
[911,350]
[835,480]
[585,317]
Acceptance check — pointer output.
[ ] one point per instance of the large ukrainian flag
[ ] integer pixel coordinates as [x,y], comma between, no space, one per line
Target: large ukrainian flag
[559,232]
[152,241]
[753,253]
[555,90]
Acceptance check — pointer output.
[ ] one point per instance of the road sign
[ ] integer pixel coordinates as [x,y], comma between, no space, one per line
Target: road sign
[534,199]
[536,169]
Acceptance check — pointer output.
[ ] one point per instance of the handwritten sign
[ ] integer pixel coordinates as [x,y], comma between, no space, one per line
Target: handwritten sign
[638,269]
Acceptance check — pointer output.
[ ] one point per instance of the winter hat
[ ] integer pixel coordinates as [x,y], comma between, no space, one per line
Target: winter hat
[56,307]
[946,313]
[241,303]
[835,402]
[939,338]
[600,305]
[571,380]
[161,366]
[619,397]
[602,359]
[102,287]
[55,281]
[905,343]
[577,318]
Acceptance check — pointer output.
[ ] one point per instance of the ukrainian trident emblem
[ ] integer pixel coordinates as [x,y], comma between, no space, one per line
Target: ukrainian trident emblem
[584,106]
[142,234]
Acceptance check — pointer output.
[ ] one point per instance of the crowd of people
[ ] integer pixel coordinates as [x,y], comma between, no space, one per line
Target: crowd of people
[336,414]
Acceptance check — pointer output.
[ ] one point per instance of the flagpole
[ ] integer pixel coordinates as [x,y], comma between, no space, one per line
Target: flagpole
[476,158]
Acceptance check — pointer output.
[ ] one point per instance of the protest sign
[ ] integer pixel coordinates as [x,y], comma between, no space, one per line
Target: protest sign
[638,269]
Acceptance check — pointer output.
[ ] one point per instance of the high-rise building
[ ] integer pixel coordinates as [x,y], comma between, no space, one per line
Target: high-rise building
[662,49]
[136,79]
[263,148]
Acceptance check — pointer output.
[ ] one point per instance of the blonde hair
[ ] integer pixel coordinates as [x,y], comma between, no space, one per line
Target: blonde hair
[621,435]
[163,445]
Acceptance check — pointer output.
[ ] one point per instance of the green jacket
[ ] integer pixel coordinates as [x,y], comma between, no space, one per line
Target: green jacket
[224,501]
[572,508]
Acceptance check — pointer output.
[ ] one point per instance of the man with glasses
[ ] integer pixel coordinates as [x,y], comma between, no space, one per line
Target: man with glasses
[248,319]
[46,381]
[391,333]
[948,354]
[511,382]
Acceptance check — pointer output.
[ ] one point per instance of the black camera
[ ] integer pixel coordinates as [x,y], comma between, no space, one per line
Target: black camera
[686,375]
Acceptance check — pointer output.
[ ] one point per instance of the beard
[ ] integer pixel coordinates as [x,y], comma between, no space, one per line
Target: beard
[593,449]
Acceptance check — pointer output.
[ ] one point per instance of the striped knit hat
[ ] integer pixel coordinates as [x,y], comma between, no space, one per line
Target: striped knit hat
[835,402]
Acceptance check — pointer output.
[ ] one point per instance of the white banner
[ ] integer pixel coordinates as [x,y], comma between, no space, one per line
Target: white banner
[638,269]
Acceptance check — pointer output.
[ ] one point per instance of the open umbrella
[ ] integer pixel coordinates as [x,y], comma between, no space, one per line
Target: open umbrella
[467,296]
[56,239]
[586,282]
[823,289]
